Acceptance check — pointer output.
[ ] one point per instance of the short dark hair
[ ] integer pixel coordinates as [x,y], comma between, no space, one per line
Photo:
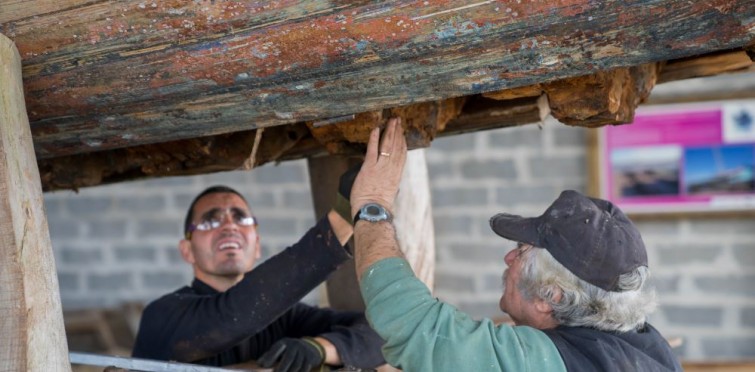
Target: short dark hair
[217,189]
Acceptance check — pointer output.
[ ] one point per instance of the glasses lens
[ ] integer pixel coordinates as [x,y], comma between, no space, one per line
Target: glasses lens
[245,221]
[214,219]
[207,225]
[241,218]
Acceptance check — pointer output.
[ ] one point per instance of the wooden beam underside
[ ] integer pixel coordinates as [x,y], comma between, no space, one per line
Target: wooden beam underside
[102,76]
[597,93]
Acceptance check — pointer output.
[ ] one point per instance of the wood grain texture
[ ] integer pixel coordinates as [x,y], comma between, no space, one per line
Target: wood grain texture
[713,64]
[415,230]
[31,327]
[104,75]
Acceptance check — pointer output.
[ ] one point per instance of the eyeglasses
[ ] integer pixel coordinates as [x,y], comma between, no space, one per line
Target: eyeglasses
[214,218]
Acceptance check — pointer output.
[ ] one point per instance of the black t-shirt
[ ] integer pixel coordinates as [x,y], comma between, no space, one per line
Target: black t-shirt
[198,324]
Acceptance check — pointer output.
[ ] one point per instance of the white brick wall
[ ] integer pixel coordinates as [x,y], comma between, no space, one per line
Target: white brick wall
[118,243]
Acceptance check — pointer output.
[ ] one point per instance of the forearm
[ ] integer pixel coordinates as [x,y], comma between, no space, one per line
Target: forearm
[374,242]
[331,354]
[341,227]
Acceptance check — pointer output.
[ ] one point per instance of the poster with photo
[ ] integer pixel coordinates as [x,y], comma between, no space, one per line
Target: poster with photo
[681,158]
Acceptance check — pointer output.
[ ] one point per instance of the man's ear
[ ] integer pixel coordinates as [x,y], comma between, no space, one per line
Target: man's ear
[545,307]
[184,246]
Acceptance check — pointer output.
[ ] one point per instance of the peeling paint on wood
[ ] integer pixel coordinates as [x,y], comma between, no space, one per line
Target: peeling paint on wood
[108,75]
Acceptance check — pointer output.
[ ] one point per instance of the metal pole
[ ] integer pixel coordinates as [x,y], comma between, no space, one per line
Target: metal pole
[144,365]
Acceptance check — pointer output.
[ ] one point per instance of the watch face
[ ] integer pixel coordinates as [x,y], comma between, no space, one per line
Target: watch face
[373,212]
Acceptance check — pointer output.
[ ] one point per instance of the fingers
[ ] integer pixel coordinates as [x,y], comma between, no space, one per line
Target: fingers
[392,141]
[388,145]
[372,146]
[269,358]
[381,171]
[291,362]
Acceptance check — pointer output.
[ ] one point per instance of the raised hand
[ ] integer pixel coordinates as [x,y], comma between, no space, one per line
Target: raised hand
[379,177]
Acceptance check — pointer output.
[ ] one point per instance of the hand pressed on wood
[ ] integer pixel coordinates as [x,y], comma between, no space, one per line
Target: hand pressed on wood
[378,180]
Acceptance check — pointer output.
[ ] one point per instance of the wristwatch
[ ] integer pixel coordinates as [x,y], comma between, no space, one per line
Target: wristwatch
[372,212]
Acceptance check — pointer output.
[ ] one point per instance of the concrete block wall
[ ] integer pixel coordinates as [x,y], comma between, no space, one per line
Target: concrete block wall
[118,243]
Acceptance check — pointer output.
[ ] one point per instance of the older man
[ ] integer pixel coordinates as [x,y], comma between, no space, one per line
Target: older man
[232,313]
[575,287]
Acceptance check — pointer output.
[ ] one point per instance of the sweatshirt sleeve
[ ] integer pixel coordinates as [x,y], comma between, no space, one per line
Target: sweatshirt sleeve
[424,334]
[185,326]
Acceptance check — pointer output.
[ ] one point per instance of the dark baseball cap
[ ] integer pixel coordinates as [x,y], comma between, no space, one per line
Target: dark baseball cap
[590,237]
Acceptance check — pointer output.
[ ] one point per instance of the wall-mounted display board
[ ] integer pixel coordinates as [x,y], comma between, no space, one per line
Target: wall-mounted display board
[680,158]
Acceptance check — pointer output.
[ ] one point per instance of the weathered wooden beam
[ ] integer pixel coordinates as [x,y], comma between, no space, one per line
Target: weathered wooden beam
[230,151]
[709,88]
[31,327]
[584,96]
[20,9]
[481,113]
[104,75]
[709,65]
[210,154]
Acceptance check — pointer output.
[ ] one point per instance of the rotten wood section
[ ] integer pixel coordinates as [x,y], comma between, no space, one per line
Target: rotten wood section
[31,327]
[608,97]
[101,75]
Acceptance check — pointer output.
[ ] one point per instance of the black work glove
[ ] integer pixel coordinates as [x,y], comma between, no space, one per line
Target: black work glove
[293,355]
[342,205]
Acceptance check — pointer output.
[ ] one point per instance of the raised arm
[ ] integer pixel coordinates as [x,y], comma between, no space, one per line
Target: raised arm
[186,326]
[377,182]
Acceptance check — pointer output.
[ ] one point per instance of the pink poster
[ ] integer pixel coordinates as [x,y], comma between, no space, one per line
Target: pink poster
[676,158]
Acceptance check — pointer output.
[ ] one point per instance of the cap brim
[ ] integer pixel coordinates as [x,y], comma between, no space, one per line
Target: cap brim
[516,228]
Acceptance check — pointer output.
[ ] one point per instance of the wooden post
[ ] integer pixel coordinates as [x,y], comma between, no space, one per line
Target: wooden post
[324,173]
[32,336]
[414,218]
[414,224]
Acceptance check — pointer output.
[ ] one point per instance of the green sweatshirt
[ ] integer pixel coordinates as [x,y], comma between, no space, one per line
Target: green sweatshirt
[424,334]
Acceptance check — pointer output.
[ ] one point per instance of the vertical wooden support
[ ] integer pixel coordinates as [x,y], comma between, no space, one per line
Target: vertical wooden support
[324,173]
[32,336]
[414,218]
[414,224]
